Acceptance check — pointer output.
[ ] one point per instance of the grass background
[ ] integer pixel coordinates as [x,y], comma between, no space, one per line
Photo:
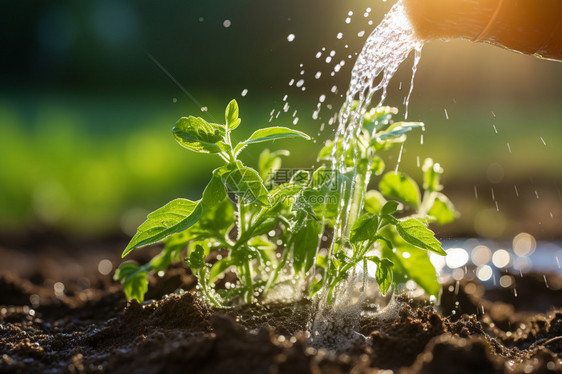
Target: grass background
[86,115]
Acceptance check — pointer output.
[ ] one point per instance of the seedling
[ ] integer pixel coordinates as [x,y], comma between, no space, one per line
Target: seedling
[248,224]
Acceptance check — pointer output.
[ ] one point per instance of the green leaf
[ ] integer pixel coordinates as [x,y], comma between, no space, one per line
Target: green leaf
[400,187]
[374,202]
[266,226]
[410,263]
[398,129]
[321,176]
[134,280]
[365,228]
[283,192]
[389,208]
[215,191]
[418,234]
[274,133]
[325,200]
[177,215]
[269,162]
[303,242]
[231,115]
[265,248]
[442,209]
[378,118]
[168,254]
[325,153]
[383,275]
[246,183]
[216,219]
[244,255]
[219,268]
[198,135]
[431,176]
[377,166]
[196,259]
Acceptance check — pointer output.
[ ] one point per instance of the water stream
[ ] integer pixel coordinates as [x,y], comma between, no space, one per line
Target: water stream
[388,46]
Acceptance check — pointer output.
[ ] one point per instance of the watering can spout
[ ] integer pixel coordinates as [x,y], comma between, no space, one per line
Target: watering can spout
[528,26]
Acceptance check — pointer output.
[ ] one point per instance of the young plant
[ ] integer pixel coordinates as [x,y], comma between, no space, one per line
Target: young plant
[211,224]
[369,226]
[387,227]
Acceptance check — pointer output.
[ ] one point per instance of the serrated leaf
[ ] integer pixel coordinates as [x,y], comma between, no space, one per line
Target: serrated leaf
[442,210]
[177,215]
[399,186]
[246,183]
[196,259]
[231,115]
[196,134]
[365,228]
[418,234]
[274,133]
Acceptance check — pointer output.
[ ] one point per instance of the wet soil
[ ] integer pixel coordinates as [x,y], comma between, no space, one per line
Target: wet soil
[89,327]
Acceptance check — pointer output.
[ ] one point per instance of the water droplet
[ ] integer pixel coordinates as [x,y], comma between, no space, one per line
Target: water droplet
[244,92]
[227,23]
[291,37]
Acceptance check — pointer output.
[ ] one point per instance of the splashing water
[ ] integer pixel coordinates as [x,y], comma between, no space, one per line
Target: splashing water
[388,46]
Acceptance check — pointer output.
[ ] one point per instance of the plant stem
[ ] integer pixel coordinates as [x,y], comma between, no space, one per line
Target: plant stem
[246,268]
[249,294]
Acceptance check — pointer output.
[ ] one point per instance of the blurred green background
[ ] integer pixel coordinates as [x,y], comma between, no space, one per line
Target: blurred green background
[87,106]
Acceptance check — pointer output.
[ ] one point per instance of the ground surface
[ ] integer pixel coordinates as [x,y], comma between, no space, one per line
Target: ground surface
[89,327]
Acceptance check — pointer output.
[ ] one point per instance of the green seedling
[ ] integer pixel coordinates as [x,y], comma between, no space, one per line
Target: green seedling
[247,224]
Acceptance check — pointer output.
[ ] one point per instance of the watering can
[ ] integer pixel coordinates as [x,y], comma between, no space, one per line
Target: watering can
[531,27]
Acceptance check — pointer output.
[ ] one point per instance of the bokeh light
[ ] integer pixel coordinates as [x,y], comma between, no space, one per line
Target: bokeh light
[456,258]
[524,244]
[481,255]
[484,273]
[501,258]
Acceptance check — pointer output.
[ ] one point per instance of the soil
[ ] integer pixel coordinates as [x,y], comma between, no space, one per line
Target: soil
[89,326]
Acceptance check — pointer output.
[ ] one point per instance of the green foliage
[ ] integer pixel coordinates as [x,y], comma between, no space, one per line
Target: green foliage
[263,227]
[177,215]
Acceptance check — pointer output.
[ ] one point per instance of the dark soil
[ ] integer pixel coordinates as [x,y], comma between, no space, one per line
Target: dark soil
[91,328]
